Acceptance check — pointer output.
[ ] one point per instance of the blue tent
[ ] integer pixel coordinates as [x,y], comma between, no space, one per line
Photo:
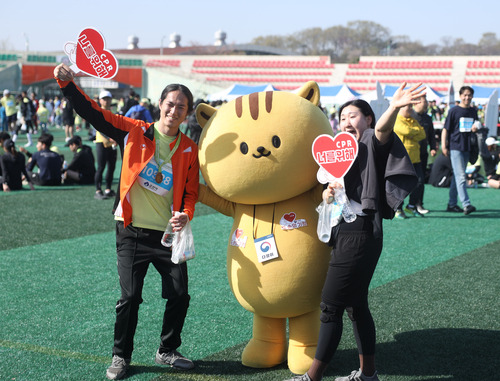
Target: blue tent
[337,94]
[238,90]
[432,95]
[482,94]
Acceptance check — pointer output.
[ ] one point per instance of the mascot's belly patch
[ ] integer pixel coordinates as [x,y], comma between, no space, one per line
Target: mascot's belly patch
[287,285]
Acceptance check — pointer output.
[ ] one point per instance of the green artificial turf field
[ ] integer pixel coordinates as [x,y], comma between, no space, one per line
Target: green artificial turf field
[434,295]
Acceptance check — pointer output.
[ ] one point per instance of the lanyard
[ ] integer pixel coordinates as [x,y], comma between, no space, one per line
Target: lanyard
[167,159]
[272,222]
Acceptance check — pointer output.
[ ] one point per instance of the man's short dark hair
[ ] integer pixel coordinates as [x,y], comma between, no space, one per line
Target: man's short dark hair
[75,140]
[46,139]
[465,88]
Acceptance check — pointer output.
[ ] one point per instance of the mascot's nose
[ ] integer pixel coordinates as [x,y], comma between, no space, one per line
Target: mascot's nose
[260,150]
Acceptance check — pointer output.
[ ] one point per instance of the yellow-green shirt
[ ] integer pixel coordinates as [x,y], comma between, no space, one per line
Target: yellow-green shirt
[10,105]
[43,114]
[411,133]
[150,210]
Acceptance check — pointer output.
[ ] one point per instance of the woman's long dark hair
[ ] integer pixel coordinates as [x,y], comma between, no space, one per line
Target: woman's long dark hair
[363,106]
[10,146]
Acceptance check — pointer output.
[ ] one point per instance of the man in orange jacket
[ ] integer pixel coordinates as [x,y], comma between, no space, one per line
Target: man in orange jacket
[159,176]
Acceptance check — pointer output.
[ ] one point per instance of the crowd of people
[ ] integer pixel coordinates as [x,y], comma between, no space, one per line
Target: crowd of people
[26,115]
[457,153]
[145,203]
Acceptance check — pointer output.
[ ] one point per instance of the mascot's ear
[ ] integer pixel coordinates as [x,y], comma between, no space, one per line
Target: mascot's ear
[310,91]
[203,113]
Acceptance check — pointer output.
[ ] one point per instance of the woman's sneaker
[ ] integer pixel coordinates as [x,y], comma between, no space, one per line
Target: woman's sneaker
[357,375]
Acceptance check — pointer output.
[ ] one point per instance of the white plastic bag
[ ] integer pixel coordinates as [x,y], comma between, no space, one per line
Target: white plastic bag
[183,245]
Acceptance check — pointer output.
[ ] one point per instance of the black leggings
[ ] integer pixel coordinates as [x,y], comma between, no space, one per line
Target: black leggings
[105,156]
[350,271]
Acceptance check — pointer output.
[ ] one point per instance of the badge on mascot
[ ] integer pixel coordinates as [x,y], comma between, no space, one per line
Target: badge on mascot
[90,56]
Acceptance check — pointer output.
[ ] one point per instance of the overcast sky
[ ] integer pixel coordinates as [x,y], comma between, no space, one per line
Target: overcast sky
[47,26]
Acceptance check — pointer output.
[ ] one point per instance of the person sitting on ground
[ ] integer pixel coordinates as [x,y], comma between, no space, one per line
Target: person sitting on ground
[492,168]
[491,160]
[13,165]
[140,111]
[48,162]
[3,137]
[81,170]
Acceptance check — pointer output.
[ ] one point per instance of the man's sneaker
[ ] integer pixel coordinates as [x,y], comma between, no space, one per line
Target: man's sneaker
[357,375]
[174,359]
[422,210]
[118,368]
[110,193]
[412,211]
[304,377]
[100,196]
[400,215]
[469,209]
[454,209]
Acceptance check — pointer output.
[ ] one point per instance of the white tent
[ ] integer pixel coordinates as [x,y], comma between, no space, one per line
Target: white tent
[378,104]
[491,114]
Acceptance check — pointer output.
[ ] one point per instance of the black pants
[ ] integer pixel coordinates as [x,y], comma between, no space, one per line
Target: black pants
[417,195]
[106,156]
[35,178]
[354,258]
[136,249]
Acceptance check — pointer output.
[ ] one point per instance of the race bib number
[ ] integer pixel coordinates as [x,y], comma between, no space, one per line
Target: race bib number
[465,124]
[148,176]
[266,248]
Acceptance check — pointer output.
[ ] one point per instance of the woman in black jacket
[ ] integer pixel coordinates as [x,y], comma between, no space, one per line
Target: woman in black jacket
[13,168]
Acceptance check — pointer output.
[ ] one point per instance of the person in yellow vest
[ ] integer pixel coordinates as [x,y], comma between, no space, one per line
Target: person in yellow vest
[106,151]
[42,115]
[9,103]
[411,133]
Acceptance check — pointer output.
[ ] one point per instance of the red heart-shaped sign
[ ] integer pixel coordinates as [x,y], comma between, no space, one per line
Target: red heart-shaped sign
[238,233]
[335,154]
[290,217]
[92,57]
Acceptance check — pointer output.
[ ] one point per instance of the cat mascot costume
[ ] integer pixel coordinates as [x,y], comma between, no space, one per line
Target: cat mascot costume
[255,156]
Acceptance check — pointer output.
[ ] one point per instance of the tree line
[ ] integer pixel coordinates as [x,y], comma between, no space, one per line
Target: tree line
[345,44]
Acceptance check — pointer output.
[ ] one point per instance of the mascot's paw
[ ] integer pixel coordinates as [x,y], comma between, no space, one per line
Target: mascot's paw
[300,358]
[263,354]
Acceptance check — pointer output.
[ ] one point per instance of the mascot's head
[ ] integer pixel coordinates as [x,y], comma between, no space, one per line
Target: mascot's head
[256,149]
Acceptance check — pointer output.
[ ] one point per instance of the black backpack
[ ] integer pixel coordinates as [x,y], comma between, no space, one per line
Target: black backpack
[441,172]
